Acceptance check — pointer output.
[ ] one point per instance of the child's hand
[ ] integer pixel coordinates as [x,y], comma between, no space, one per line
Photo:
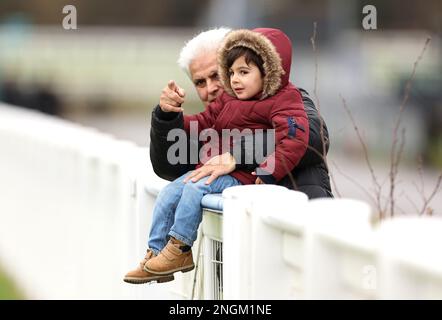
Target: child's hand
[217,166]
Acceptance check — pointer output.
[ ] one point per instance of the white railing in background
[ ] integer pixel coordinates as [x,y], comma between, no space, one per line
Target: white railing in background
[74,213]
[75,208]
[279,245]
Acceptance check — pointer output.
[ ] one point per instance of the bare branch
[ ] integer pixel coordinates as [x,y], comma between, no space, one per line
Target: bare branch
[315,92]
[420,191]
[324,158]
[393,155]
[427,200]
[335,186]
[395,169]
[367,160]
[412,202]
[356,183]
[382,203]
[313,41]
[292,179]
[318,106]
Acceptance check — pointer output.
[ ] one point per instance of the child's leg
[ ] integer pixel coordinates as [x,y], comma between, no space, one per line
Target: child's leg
[177,254]
[163,217]
[188,214]
[164,214]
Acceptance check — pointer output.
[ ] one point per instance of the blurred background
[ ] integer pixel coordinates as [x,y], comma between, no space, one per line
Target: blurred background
[109,72]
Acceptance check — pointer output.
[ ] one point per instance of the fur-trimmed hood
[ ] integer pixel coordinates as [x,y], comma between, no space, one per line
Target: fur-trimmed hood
[272,45]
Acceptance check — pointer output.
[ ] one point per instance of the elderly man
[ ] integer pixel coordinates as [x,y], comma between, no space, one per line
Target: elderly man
[198,58]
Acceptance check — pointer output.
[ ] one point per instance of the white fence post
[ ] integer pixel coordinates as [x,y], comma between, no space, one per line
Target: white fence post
[239,237]
[339,249]
[410,258]
[271,276]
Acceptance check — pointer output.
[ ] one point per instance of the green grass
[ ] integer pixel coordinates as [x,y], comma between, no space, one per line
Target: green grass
[8,290]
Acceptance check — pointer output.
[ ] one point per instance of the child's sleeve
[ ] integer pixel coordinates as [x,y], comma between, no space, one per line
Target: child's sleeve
[205,119]
[291,127]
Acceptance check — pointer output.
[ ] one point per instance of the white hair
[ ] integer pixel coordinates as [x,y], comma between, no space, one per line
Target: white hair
[205,41]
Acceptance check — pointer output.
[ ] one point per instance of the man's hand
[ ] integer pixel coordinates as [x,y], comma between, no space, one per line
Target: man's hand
[215,167]
[172,97]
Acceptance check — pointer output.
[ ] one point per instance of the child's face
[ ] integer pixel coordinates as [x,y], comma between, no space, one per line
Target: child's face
[245,79]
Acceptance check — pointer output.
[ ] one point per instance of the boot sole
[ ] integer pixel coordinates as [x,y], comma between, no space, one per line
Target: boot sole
[146,280]
[163,273]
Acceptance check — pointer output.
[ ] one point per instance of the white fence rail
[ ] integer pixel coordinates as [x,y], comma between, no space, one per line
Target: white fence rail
[75,208]
[279,245]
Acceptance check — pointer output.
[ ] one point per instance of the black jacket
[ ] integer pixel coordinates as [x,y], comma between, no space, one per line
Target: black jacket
[310,175]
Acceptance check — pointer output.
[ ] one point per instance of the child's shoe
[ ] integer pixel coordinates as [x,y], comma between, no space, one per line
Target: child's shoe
[139,275]
[175,256]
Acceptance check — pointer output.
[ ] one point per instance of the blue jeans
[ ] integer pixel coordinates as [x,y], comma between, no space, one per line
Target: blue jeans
[177,211]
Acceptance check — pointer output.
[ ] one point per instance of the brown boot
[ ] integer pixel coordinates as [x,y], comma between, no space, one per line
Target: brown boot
[139,276]
[171,259]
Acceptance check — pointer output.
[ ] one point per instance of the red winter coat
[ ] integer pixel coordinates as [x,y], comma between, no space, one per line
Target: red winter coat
[280,106]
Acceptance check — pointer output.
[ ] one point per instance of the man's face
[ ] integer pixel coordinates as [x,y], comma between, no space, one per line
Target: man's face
[204,73]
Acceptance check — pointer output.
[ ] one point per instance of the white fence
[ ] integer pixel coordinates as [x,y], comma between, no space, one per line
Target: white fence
[75,209]
[279,245]
[74,213]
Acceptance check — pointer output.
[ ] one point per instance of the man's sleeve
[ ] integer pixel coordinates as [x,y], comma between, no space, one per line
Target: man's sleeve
[161,124]
[317,139]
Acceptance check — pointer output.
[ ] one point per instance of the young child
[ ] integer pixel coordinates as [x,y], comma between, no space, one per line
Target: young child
[254,67]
